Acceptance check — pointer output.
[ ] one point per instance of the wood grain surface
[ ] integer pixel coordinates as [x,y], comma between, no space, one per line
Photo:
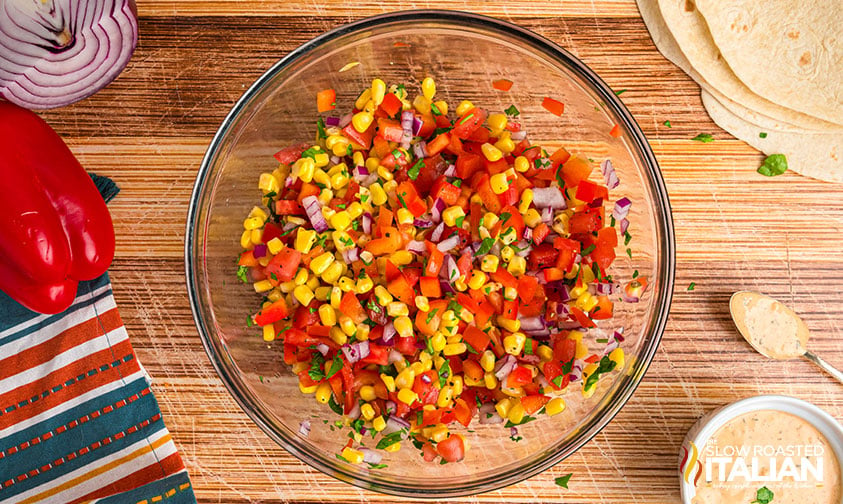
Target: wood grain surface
[734,230]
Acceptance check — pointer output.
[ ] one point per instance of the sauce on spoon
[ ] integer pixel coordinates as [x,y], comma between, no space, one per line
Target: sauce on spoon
[770,327]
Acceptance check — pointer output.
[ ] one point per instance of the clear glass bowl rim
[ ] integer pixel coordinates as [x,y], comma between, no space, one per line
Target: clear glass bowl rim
[662,211]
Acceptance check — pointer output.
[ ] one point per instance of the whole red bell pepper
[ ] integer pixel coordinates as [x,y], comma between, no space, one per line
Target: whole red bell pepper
[55,229]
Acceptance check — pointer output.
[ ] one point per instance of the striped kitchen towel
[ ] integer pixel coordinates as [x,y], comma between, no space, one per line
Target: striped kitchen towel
[78,422]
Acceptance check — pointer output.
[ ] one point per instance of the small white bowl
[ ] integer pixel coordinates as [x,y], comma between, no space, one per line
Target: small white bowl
[710,423]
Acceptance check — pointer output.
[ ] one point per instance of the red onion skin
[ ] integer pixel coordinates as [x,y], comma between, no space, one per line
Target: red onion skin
[22,83]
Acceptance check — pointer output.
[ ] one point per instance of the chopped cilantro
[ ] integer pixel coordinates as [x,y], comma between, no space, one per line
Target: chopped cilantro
[635,274]
[466,118]
[336,408]
[364,198]
[317,364]
[444,373]
[588,249]
[691,286]
[704,138]
[604,366]
[505,217]
[241,273]
[763,496]
[349,151]
[401,199]
[341,458]
[626,237]
[762,135]
[391,439]
[618,93]
[629,252]
[667,123]
[485,247]
[512,111]
[336,365]
[563,480]
[558,381]
[414,171]
[459,220]
[376,466]
[320,128]
[526,419]
[249,321]
[775,164]
[311,152]
[430,315]
[457,183]
[435,109]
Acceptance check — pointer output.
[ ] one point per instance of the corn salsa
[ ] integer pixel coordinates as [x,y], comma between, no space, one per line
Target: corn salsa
[424,265]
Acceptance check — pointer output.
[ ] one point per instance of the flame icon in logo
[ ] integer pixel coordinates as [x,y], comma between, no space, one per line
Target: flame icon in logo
[690,464]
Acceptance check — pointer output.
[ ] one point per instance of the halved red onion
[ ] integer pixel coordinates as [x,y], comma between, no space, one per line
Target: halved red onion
[304,428]
[259,251]
[436,209]
[609,174]
[416,247]
[332,121]
[54,53]
[618,335]
[505,366]
[449,243]
[425,378]
[446,286]
[544,197]
[621,209]
[313,209]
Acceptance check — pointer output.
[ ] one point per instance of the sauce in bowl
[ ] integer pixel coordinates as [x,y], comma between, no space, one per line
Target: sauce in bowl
[768,448]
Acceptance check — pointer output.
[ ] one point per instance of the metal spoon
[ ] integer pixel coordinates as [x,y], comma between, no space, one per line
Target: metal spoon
[773,329]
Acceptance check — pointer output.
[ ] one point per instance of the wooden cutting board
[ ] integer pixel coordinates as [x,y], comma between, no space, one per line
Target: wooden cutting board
[734,230]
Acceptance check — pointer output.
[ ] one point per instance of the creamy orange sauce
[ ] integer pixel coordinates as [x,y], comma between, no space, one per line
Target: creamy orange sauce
[768,448]
[769,326]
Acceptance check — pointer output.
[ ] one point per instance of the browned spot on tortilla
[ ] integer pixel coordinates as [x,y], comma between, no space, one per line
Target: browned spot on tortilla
[689,6]
[794,34]
[805,59]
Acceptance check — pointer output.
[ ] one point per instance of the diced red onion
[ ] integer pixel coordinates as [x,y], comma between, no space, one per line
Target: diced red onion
[513,431]
[304,428]
[450,171]
[504,366]
[436,235]
[355,411]
[528,233]
[332,121]
[388,332]
[56,53]
[621,209]
[562,308]
[417,125]
[313,209]
[323,349]
[360,173]
[416,247]
[351,255]
[371,456]
[613,344]
[576,370]
[395,424]
[629,299]
[259,251]
[425,378]
[345,120]
[532,359]
[536,323]
[335,159]
[395,356]
[420,150]
[366,223]
[609,174]
[570,325]
[578,259]
[624,225]
[540,334]
[446,286]
[544,197]
[604,288]
[389,407]
[436,210]
[524,249]
[517,136]
[448,244]
[356,351]
[422,223]
[449,269]
[618,335]
[488,415]
[547,215]
[289,181]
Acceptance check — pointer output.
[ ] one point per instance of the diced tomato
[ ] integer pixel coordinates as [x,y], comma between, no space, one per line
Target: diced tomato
[467,164]
[568,250]
[284,265]
[363,140]
[409,198]
[581,317]
[390,130]
[247,258]
[519,377]
[391,104]
[555,107]
[616,131]
[430,287]
[446,191]
[533,403]
[584,222]
[588,191]
[435,260]
[424,388]
[272,313]
[502,84]
[469,123]
[542,256]
[452,449]
[350,305]
[288,207]
[504,277]
[540,232]
[429,452]
[389,243]
[603,310]
[464,263]
[406,346]
[270,231]
[510,309]
[291,154]
[326,100]
[527,286]
[575,170]
[438,144]
[487,196]
[604,248]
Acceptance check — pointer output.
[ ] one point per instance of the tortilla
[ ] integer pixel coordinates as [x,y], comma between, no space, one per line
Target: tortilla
[816,155]
[683,37]
[789,51]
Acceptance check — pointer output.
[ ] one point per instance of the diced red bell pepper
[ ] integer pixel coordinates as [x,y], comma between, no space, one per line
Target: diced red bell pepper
[438,144]
[603,310]
[575,170]
[584,222]
[582,318]
[533,403]
[390,130]
[288,207]
[272,313]
[469,123]
[378,354]
[446,191]
[291,154]
[270,231]
[363,140]
[588,191]
[409,198]
[504,277]
[464,263]
[350,305]
[527,286]
[542,256]
[568,250]
[247,258]
[555,107]
[435,260]
[519,377]
[430,287]
[540,232]
[510,309]
[478,339]
[326,100]
[467,164]
[391,104]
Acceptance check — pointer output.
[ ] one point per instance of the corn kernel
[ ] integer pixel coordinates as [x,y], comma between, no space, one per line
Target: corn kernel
[246,239]
[588,370]
[320,263]
[394,447]
[439,433]
[305,239]
[327,315]
[493,154]
[560,224]
[502,407]
[489,264]
[578,291]
[367,393]
[442,105]
[333,273]
[268,183]
[510,293]
[517,266]
[497,122]
[364,97]
[382,295]
[340,180]
[253,223]
[268,332]
[457,386]
[532,217]
[438,342]
[337,336]
[451,214]
[505,143]
[378,91]
[346,284]
[405,378]
[508,324]
[307,389]
[445,397]
[361,121]
[263,286]
[525,201]
[320,177]
[514,343]
[586,302]
[364,285]
[454,349]
[476,280]
[516,413]
[303,294]
[617,357]
[545,353]
[367,257]
[404,326]
[407,396]
[378,194]
[487,361]
[340,220]
[397,309]
[304,169]
[379,424]
[352,456]
[389,382]
[256,236]
[401,258]
[460,284]
[422,104]
[555,406]
[464,107]
[428,87]
[390,185]
[367,411]
[274,295]
[321,159]
[490,380]
[522,164]
[323,393]
[287,287]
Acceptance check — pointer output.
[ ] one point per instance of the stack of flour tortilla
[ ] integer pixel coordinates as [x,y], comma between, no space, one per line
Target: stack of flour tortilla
[771,73]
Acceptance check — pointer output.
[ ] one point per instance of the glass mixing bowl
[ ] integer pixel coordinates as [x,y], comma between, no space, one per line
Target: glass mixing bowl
[464,53]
